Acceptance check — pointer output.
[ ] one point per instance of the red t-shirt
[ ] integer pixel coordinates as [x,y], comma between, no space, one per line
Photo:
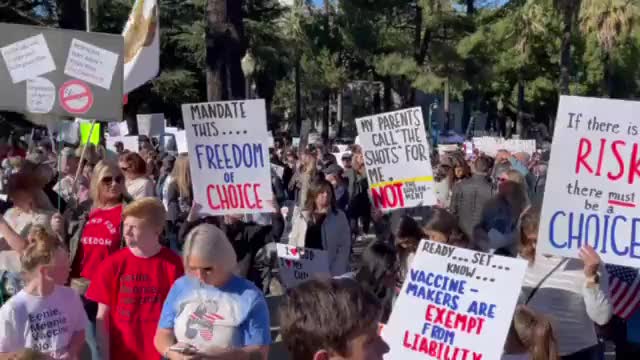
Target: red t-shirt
[100,238]
[134,288]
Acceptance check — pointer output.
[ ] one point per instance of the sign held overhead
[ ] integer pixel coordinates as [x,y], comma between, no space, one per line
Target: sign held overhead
[61,73]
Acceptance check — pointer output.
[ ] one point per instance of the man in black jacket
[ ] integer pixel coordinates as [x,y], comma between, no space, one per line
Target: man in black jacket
[471,194]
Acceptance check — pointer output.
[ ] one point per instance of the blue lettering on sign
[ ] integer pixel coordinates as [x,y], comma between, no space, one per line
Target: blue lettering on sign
[230,156]
[603,232]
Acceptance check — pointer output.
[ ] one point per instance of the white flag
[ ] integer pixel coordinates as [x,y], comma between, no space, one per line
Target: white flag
[141,45]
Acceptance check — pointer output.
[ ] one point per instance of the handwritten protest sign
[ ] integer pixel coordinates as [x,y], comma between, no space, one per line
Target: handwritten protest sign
[396,155]
[60,73]
[454,304]
[298,264]
[591,192]
[229,156]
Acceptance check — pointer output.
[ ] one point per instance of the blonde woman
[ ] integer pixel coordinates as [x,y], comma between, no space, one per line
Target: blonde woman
[179,194]
[530,337]
[44,304]
[210,312]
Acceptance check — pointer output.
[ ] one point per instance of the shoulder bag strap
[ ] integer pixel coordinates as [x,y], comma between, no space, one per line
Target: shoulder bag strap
[537,287]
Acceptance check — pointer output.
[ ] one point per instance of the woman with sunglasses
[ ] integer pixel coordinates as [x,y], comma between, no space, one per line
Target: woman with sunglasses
[100,235]
[138,183]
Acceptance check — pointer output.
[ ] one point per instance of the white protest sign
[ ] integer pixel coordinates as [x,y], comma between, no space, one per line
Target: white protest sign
[454,301]
[41,95]
[396,155]
[181,142]
[295,141]
[297,265]
[592,180]
[491,145]
[28,58]
[90,63]
[229,156]
[128,142]
[118,129]
[150,124]
[171,130]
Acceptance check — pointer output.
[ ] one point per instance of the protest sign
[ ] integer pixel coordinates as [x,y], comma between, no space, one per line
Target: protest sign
[491,145]
[85,133]
[54,72]
[454,301]
[593,176]
[181,142]
[128,142]
[229,156]
[297,265]
[396,155]
[150,124]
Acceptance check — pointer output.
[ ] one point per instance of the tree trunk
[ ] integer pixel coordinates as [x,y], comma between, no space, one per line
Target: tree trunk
[471,7]
[326,115]
[298,98]
[565,55]
[339,113]
[71,15]
[225,49]
[520,115]
[387,97]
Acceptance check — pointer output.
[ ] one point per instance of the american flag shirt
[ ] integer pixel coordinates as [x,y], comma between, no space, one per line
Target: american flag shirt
[624,289]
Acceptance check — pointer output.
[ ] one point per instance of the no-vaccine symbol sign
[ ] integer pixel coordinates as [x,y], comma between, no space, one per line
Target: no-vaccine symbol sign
[76,97]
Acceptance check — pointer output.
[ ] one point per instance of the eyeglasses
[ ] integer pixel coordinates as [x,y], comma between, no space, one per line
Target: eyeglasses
[124,169]
[110,179]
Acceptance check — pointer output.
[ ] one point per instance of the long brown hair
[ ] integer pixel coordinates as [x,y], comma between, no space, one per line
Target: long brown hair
[535,334]
[528,224]
[318,187]
[514,192]
[408,236]
[181,174]
[446,223]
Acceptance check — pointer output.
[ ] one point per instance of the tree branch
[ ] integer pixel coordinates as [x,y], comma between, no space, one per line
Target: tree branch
[22,14]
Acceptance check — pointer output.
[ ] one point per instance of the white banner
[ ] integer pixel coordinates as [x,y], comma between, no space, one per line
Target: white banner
[454,301]
[590,196]
[396,155]
[150,124]
[491,145]
[129,143]
[298,264]
[229,156]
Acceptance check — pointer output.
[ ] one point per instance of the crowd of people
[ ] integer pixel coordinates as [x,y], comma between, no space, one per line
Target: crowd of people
[106,255]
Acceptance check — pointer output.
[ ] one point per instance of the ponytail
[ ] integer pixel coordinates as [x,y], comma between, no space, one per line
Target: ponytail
[41,250]
[536,334]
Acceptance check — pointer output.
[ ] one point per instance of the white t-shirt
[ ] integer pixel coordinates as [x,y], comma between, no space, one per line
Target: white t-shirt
[45,324]
[140,188]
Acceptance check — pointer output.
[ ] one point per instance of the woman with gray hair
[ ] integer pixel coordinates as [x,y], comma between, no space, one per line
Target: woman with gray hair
[210,312]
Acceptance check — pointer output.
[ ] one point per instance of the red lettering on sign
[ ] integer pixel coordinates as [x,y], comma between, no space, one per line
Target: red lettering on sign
[234,196]
[388,196]
[620,168]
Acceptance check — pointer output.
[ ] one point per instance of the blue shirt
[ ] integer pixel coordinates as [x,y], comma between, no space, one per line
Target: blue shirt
[233,316]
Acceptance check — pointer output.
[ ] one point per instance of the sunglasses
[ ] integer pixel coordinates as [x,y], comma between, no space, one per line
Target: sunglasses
[111,179]
[124,169]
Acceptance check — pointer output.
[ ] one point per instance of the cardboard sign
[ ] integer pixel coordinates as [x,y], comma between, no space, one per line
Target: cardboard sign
[454,301]
[298,265]
[229,156]
[128,142]
[592,180]
[181,142]
[150,124]
[61,73]
[396,155]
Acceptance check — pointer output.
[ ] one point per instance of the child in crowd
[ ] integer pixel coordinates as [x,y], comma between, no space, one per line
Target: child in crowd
[44,316]
[131,285]
[530,337]
[331,320]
